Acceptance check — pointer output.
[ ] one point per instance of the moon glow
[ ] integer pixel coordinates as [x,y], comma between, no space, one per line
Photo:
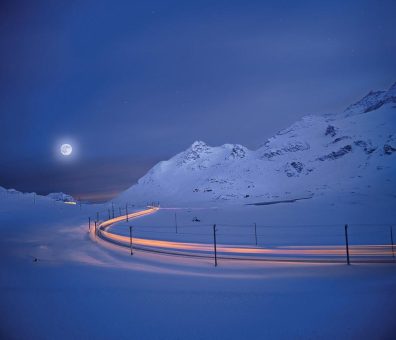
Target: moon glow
[66,149]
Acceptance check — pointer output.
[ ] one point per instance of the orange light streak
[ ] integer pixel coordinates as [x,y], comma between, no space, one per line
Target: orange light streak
[331,251]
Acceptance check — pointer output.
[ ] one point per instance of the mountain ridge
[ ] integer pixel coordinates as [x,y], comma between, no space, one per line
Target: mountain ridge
[352,150]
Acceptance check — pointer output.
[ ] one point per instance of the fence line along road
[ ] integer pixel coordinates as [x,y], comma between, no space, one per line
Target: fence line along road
[361,253]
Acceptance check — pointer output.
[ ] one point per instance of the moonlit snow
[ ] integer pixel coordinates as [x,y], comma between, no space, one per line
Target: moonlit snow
[60,282]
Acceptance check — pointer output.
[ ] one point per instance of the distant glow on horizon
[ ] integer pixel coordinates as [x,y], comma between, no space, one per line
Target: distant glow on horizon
[66,149]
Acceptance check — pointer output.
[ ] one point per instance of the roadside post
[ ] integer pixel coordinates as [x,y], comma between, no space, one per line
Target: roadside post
[214,242]
[347,244]
[130,239]
[391,235]
[255,232]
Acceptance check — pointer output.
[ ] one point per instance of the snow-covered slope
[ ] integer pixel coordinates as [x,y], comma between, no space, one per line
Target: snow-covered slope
[56,196]
[353,151]
[61,196]
[372,101]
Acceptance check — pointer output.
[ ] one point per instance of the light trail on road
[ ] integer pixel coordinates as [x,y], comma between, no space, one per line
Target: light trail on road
[334,253]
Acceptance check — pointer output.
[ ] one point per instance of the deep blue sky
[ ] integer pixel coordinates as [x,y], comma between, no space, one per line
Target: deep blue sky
[130,83]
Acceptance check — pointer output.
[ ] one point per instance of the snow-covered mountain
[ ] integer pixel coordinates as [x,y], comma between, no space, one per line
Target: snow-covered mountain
[61,196]
[57,196]
[353,151]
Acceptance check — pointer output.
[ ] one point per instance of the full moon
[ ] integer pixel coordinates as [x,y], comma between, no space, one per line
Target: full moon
[66,149]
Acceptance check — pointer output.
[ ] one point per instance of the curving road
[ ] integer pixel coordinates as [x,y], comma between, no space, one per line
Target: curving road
[335,254]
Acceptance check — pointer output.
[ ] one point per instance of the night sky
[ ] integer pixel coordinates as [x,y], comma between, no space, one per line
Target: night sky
[131,83]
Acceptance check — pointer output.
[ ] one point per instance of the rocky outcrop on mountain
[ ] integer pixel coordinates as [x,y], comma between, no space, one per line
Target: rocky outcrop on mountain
[366,146]
[287,148]
[336,154]
[389,149]
[238,151]
[330,131]
[295,168]
[372,101]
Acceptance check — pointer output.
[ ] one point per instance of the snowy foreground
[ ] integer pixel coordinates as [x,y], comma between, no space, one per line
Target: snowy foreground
[58,283]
